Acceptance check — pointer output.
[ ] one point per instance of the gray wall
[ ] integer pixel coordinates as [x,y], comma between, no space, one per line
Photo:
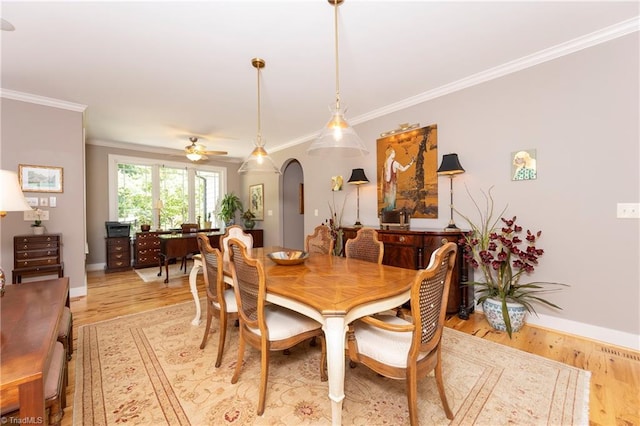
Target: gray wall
[47,136]
[580,112]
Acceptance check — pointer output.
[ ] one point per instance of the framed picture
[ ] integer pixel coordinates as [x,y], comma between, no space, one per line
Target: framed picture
[256,198]
[40,178]
[407,177]
[524,165]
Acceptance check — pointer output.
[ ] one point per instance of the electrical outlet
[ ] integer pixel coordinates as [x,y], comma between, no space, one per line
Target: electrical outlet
[628,211]
[315,212]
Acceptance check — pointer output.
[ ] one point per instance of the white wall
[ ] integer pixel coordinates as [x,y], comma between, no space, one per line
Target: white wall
[581,113]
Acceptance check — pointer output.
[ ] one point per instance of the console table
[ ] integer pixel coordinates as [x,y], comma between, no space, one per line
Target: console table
[412,248]
[30,315]
[177,245]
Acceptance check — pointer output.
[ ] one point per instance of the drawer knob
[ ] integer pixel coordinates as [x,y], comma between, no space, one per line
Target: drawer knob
[401,239]
[444,241]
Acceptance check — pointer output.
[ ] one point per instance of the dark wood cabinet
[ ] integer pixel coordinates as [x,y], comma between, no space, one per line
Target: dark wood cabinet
[118,254]
[35,255]
[412,248]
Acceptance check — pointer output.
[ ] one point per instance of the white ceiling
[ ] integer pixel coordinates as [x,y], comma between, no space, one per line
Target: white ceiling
[155,73]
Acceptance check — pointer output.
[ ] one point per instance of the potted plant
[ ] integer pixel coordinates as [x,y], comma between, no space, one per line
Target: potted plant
[495,248]
[248,217]
[229,205]
[38,229]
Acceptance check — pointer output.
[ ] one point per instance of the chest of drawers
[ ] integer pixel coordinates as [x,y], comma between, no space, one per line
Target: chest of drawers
[118,254]
[35,255]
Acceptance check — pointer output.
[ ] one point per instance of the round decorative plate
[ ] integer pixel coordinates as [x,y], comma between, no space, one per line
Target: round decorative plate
[289,257]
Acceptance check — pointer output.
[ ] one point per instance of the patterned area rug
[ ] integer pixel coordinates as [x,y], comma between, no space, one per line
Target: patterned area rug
[147,369]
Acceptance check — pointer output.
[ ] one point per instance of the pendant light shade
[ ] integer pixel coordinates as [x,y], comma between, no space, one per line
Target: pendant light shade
[259,160]
[337,137]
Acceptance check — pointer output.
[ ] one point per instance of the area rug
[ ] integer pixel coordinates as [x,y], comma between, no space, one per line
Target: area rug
[150,275]
[148,369]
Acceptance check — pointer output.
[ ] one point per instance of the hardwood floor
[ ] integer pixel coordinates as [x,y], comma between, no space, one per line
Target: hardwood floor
[615,371]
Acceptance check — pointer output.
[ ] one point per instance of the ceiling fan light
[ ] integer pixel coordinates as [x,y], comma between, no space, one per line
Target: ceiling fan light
[194,156]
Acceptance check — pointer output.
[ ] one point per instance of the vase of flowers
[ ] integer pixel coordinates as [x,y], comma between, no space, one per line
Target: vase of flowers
[36,226]
[494,247]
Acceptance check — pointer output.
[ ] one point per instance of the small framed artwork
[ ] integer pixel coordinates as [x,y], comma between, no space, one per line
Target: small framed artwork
[524,165]
[256,198]
[40,178]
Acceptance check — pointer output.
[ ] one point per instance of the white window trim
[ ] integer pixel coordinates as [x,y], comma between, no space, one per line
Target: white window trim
[114,159]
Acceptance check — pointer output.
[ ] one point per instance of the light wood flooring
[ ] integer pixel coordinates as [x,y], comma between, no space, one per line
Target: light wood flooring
[615,371]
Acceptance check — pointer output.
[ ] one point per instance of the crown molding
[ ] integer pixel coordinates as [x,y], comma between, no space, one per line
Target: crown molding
[41,100]
[583,42]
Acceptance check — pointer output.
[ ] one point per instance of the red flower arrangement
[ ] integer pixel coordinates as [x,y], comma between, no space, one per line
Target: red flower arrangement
[504,258]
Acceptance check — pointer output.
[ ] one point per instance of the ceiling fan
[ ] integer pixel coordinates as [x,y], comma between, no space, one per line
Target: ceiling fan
[197,152]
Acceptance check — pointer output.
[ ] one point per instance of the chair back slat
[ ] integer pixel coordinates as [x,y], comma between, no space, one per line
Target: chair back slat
[365,246]
[234,231]
[212,271]
[246,280]
[320,241]
[429,297]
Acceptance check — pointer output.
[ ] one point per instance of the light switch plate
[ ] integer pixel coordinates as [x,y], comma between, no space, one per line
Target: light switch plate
[52,201]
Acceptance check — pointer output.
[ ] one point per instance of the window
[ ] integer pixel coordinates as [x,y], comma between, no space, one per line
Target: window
[188,193]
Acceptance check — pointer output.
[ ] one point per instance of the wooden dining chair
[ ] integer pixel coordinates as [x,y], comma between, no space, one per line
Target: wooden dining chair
[320,241]
[266,327]
[410,348]
[365,246]
[234,231]
[221,301]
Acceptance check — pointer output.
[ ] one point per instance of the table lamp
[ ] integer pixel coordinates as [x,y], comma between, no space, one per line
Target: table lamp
[450,166]
[11,200]
[159,205]
[358,178]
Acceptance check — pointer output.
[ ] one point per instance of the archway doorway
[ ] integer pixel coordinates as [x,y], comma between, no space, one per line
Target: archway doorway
[292,211]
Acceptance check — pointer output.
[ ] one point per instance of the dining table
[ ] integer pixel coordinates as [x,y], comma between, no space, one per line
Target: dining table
[334,291]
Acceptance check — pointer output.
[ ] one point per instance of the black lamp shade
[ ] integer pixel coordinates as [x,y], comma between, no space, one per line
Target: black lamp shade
[358,177]
[450,165]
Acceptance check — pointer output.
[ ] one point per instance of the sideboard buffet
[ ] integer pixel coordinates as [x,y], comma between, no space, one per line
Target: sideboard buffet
[412,248]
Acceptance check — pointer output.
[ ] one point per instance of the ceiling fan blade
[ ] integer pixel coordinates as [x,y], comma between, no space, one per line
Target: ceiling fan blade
[215,152]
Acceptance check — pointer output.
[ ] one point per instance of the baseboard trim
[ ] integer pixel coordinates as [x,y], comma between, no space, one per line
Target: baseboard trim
[587,331]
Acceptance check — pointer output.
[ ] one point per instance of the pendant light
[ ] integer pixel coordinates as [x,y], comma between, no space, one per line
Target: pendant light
[337,137]
[258,161]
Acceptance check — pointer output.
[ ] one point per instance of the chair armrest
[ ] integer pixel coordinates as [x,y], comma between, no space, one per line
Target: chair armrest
[386,326]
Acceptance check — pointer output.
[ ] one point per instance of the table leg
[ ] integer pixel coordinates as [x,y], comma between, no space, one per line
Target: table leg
[335,330]
[193,277]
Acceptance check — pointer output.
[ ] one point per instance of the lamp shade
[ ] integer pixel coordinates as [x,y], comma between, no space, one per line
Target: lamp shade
[358,177]
[338,137]
[11,197]
[450,165]
[259,161]
[159,205]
